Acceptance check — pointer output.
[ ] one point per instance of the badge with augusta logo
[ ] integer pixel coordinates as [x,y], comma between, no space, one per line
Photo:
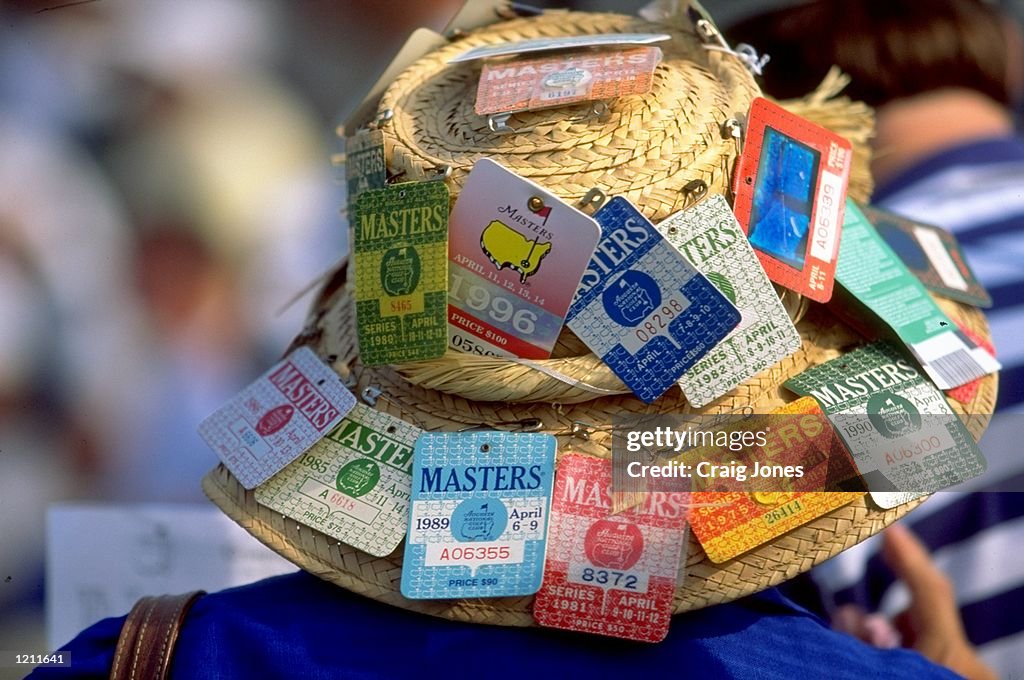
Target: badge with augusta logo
[610,574]
[711,238]
[401,266]
[905,439]
[479,518]
[278,417]
[732,516]
[517,253]
[539,82]
[353,485]
[643,308]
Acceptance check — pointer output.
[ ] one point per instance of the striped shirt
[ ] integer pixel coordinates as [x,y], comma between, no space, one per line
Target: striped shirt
[977,192]
[976,533]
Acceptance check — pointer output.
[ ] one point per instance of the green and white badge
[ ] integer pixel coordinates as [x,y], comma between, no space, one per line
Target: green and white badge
[401,263]
[876,279]
[353,485]
[711,238]
[905,439]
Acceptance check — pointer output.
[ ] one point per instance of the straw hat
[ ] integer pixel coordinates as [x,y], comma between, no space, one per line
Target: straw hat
[649,148]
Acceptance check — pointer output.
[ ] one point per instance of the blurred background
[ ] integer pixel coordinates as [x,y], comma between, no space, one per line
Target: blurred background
[165,191]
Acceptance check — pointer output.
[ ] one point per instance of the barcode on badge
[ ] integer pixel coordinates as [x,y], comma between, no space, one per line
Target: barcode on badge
[951,359]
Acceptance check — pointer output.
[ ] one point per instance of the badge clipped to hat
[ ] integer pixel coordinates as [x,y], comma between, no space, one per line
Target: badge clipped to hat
[565,222]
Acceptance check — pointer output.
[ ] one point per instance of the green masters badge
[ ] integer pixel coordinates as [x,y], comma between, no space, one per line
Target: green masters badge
[364,162]
[905,439]
[878,288]
[401,264]
[353,485]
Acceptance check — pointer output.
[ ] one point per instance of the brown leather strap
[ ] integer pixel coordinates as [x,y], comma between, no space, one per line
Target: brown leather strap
[147,639]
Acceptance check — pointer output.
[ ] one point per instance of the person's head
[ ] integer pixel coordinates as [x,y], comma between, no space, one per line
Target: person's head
[892,49]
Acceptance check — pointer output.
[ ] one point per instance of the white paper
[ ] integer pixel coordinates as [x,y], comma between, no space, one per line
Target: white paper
[100,559]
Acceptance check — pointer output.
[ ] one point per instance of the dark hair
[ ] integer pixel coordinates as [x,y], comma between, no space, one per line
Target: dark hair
[891,48]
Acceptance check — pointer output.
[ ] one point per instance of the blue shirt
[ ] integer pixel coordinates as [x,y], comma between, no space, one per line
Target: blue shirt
[299,626]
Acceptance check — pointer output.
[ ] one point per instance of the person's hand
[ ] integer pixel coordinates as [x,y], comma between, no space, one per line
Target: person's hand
[931,624]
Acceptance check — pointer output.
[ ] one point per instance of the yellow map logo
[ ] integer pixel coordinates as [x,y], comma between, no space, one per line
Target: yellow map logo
[506,247]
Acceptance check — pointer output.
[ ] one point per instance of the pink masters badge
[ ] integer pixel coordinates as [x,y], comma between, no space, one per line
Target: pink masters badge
[517,255]
[276,419]
[609,574]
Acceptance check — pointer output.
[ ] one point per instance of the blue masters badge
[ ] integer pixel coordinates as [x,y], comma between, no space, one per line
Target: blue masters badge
[478,525]
[643,308]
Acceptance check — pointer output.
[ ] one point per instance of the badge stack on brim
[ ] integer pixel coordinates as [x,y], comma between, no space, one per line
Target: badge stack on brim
[664,150]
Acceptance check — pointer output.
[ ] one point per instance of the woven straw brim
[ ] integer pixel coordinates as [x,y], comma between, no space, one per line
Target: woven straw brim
[646,147]
[331,334]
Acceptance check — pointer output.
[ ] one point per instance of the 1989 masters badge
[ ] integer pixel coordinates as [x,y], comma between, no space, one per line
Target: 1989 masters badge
[479,519]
